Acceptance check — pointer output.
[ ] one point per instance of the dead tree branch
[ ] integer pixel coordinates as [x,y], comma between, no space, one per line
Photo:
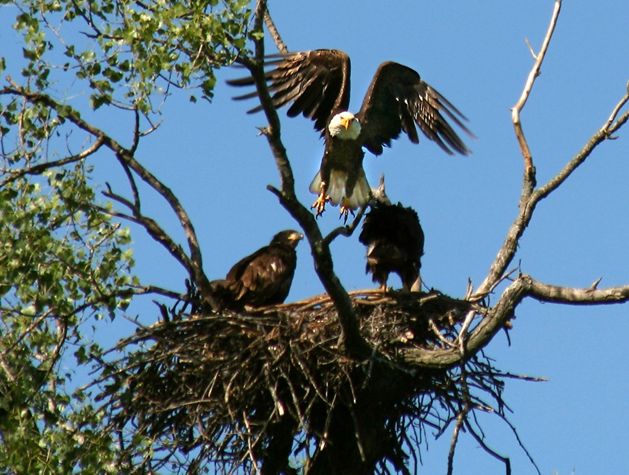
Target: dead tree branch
[531,196]
[529,168]
[522,287]
[270,25]
[346,230]
[600,136]
[573,296]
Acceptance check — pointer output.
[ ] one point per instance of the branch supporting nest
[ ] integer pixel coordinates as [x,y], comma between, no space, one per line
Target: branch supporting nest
[250,390]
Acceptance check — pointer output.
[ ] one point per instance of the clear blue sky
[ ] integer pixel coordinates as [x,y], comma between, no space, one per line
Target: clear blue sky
[475,54]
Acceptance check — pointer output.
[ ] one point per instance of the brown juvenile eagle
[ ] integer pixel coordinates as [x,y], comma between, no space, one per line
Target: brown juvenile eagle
[262,278]
[394,240]
[318,85]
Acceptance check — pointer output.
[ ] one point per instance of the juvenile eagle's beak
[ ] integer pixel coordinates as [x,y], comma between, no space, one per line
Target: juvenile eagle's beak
[296,237]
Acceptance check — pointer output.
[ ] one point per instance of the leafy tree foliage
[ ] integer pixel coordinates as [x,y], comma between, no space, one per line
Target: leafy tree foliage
[65,260]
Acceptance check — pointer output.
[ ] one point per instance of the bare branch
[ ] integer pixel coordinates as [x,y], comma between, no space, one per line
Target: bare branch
[569,295]
[509,247]
[460,420]
[152,228]
[154,289]
[529,169]
[346,230]
[268,21]
[520,443]
[523,286]
[132,184]
[529,201]
[505,460]
[602,134]
[350,337]
[616,110]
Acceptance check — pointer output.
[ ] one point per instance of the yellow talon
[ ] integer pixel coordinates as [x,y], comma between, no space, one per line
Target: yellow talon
[345,210]
[322,199]
[319,204]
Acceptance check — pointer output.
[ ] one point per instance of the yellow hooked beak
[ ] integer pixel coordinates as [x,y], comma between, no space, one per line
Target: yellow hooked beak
[346,122]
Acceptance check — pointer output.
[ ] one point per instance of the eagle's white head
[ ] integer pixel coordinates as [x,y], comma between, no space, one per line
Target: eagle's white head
[345,126]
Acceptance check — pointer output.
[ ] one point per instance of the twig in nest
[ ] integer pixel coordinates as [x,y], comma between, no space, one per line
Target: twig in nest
[215,384]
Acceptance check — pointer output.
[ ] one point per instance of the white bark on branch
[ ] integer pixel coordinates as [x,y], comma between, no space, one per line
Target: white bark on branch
[573,296]
[526,92]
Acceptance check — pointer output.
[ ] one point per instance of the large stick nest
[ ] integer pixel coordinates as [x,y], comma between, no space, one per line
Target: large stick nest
[249,390]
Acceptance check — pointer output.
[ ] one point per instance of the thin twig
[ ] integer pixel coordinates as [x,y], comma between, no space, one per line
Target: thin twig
[268,21]
[505,460]
[346,230]
[528,87]
[616,110]
[604,133]
[460,420]
[42,167]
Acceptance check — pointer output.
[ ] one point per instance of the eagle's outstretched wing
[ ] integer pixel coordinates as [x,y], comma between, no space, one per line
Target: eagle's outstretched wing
[317,83]
[396,100]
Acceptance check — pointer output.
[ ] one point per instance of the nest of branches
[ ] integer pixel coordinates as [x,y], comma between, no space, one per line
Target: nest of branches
[271,389]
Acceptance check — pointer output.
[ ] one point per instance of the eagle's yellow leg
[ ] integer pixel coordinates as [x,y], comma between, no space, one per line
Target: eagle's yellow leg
[322,199]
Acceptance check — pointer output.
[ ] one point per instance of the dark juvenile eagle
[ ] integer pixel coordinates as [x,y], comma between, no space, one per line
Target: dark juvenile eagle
[262,278]
[394,240]
[317,83]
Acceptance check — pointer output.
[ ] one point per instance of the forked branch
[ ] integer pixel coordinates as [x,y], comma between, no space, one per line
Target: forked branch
[531,196]
[354,343]
[522,287]
[529,169]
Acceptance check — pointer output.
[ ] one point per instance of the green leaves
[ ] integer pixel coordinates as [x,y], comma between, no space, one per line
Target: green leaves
[66,260]
[63,263]
[135,50]
[58,254]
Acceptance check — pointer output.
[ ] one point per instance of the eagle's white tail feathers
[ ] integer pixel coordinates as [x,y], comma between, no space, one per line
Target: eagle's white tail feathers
[336,189]
[315,184]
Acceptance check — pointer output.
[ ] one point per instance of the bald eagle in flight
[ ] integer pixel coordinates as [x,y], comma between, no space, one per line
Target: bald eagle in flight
[395,241]
[317,84]
[262,278]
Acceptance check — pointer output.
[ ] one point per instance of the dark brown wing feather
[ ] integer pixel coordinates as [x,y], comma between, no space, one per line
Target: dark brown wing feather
[396,100]
[316,82]
[395,242]
[264,277]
